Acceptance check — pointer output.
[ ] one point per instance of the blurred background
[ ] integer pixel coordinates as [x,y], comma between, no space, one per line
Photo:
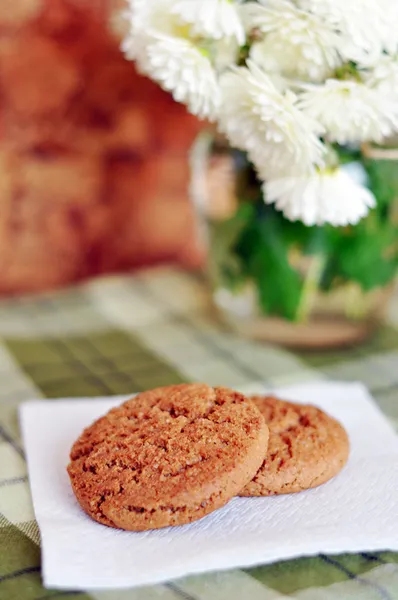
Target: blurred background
[93,157]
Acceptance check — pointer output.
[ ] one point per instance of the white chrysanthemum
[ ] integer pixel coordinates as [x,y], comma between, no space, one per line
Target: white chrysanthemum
[391,28]
[145,16]
[146,19]
[330,196]
[257,118]
[296,43]
[365,25]
[164,51]
[350,112]
[384,76]
[225,53]
[215,19]
[180,68]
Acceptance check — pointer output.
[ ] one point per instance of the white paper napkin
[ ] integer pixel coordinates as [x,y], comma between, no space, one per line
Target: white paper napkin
[356,511]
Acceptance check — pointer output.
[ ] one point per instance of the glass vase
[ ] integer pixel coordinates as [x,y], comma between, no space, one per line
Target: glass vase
[283,282]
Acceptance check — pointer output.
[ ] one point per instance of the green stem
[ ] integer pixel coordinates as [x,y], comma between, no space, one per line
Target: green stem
[310,288]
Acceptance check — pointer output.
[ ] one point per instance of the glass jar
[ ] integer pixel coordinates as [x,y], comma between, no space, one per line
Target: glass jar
[283,282]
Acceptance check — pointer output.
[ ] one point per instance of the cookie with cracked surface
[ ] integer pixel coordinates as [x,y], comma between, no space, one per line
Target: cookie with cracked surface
[169,456]
[306,448]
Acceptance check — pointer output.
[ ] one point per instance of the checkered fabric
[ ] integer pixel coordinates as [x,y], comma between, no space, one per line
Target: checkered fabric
[122,335]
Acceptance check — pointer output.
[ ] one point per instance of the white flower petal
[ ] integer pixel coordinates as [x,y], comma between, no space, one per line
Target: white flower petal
[351,112]
[224,53]
[182,69]
[384,76]
[146,18]
[161,52]
[366,26]
[332,197]
[216,19]
[295,43]
[257,118]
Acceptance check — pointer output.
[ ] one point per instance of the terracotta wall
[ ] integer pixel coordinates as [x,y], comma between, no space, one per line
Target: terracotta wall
[93,168]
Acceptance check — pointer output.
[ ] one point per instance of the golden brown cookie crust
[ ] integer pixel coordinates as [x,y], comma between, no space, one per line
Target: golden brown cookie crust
[167,457]
[306,448]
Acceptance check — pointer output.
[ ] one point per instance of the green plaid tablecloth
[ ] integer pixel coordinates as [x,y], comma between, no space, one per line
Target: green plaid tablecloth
[120,335]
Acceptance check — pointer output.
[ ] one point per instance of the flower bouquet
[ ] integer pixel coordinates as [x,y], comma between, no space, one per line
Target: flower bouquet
[304,97]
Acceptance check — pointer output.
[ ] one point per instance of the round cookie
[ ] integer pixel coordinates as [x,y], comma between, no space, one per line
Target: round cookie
[167,457]
[306,448]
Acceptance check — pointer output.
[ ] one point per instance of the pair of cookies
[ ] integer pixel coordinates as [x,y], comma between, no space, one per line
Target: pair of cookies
[172,455]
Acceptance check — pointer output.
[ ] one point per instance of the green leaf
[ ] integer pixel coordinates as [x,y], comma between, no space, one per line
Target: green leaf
[227,232]
[370,260]
[257,243]
[266,256]
[319,241]
[346,154]
[383,180]
[224,265]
